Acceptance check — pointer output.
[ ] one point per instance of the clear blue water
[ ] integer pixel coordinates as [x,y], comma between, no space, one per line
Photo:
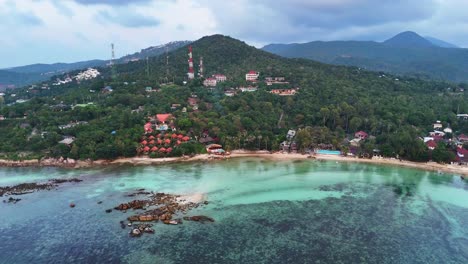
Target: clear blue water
[265,212]
[329,152]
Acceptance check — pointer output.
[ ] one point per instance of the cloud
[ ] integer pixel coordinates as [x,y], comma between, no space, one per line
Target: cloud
[111,2]
[12,16]
[126,18]
[294,20]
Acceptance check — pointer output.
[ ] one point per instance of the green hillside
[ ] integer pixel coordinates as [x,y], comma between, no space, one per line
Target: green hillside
[332,103]
[405,55]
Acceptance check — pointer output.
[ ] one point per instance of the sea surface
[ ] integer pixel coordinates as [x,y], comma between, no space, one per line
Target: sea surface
[265,212]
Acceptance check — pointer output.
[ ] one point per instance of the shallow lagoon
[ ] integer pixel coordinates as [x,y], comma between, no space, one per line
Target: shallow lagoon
[265,212]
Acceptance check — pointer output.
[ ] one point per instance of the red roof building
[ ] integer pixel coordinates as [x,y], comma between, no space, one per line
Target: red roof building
[162,150]
[252,76]
[220,77]
[463,138]
[154,149]
[163,117]
[462,156]
[146,149]
[148,127]
[361,135]
[431,144]
[151,142]
[144,142]
[185,138]
[167,141]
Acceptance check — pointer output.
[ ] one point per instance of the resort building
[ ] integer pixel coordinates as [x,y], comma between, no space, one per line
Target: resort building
[284,92]
[252,76]
[220,77]
[361,135]
[437,125]
[248,89]
[210,82]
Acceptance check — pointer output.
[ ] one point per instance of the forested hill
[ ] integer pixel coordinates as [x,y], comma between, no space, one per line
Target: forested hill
[405,54]
[332,103]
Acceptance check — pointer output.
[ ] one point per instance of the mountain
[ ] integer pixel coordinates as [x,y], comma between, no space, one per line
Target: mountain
[405,54]
[408,39]
[29,74]
[441,43]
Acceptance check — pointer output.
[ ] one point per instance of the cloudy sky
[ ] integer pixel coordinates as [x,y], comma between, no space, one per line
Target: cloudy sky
[48,31]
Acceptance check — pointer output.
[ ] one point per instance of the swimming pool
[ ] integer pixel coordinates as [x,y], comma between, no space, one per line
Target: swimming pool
[328,152]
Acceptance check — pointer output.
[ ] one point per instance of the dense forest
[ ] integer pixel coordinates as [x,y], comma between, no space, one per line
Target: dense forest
[332,103]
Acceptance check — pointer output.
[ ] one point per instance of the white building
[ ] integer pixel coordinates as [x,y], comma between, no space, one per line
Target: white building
[220,77]
[210,82]
[252,76]
[248,89]
[437,125]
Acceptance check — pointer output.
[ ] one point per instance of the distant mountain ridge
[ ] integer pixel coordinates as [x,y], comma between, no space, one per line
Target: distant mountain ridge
[406,53]
[409,39]
[29,74]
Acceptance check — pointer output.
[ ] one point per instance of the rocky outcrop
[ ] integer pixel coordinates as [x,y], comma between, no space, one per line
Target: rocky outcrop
[163,207]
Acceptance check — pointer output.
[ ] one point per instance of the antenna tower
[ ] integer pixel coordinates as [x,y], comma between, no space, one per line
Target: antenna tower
[190,74]
[112,64]
[200,71]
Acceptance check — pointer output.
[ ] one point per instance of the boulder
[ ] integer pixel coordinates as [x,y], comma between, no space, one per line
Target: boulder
[135,232]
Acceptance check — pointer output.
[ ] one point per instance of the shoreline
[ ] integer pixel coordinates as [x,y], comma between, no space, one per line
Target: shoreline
[146,161]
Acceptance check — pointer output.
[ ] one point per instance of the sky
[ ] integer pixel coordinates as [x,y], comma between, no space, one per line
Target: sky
[48,31]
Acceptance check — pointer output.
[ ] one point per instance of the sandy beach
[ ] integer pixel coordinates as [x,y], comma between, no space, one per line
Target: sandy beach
[146,161]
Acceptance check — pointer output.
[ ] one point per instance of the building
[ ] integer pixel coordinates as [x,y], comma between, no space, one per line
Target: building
[248,89]
[361,135]
[284,92]
[462,116]
[437,125]
[463,138]
[275,80]
[448,130]
[220,77]
[291,134]
[230,93]
[462,156]
[436,133]
[252,76]
[210,82]
[431,144]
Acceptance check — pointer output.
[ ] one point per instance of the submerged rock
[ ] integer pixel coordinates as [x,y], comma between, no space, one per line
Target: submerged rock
[199,218]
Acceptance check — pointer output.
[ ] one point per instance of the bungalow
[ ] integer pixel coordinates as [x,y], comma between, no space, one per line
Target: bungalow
[291,134]
[67,140]
[462,156]
[230,93]
[284,92]
[437,133]
[288,146]
[462,116]
[463,138]
[215,149]
[248,89]
[210,82]
[361,135]
[275,80]
[448,130]
[431,144]
[220,77]
[252,76]
[437,125]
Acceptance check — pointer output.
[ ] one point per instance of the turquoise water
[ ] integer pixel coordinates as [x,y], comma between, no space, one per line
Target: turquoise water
[329,152]
[265,212]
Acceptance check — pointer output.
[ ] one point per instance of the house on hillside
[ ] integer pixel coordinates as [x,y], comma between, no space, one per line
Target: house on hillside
[210,82]
[463,138]
[284,92]
[252,76]
[220,77]
[291,134]
[431,144]
[462,116]
[163,121]
[361,135]
[462,156]
[437,133]
[437,125]
[448,130]
[248,89]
